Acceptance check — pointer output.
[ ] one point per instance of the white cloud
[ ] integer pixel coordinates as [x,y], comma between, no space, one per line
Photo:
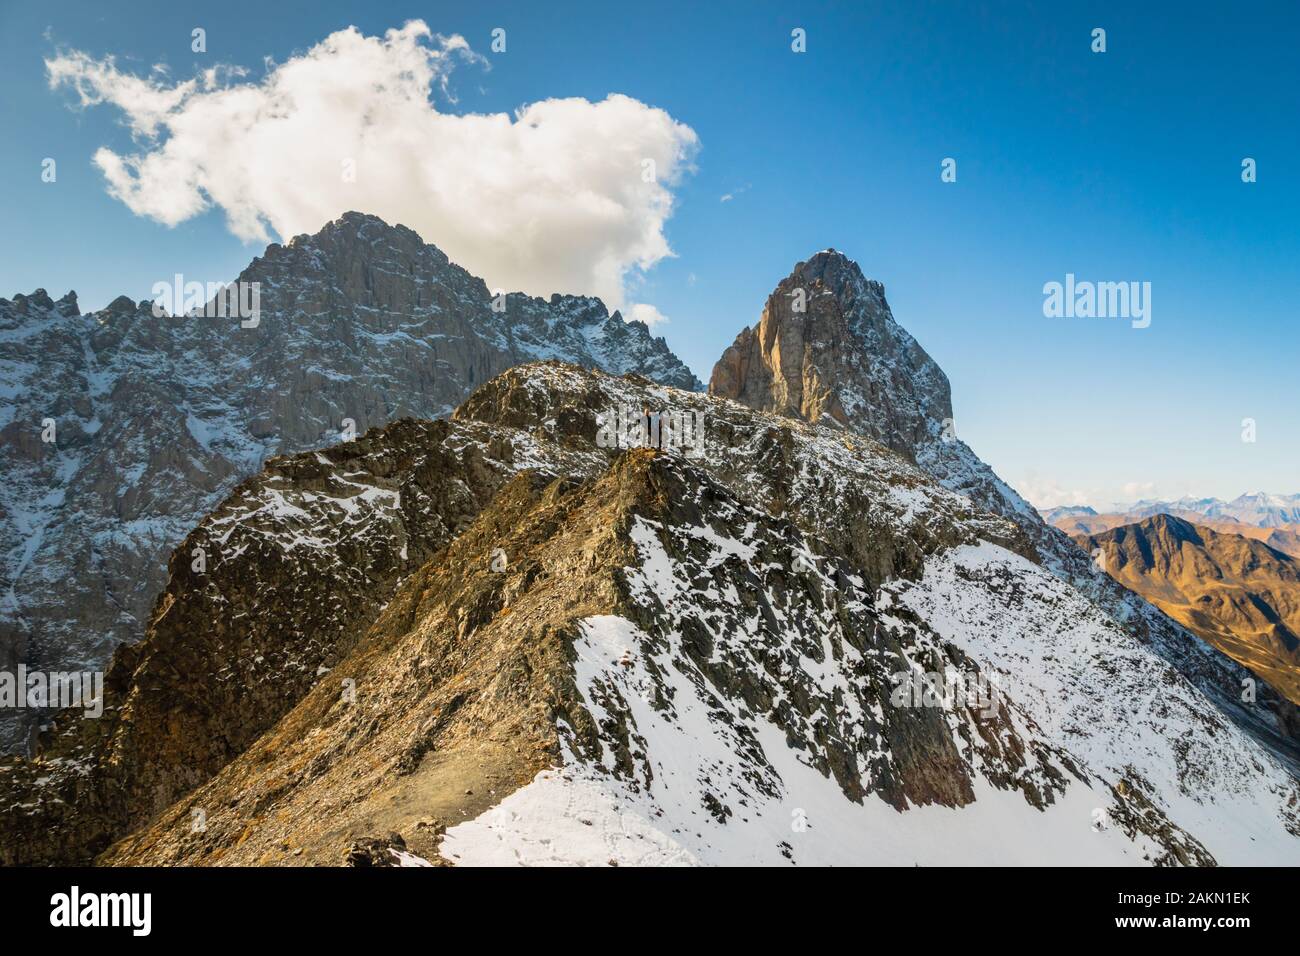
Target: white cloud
[551,199]
[1047,493]
[728,197]
[641,312]
[1136,490]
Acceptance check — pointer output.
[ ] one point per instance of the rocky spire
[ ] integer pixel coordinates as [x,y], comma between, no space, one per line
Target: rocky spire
[827,346]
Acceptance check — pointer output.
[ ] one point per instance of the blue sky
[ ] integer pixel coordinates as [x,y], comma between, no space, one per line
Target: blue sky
[1116,166]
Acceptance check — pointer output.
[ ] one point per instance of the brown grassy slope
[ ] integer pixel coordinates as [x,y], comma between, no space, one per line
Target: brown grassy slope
[1237,593]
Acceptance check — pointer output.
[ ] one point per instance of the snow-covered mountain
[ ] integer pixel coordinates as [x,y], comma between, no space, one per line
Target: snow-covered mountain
[827,348]
[1053,515]
[831,636]
[1259,509]
[508,642]
[152,421]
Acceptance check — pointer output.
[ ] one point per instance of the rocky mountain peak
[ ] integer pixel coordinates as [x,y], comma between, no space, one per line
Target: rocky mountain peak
[359,261]
[836,272]
[827,346]
[68,304]
[1238,594]
[1177,529]
[39,302]
[39,299]
[357,228]
[158,417]
[122,305]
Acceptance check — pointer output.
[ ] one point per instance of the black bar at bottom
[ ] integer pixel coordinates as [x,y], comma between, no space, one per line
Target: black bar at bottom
[293,906]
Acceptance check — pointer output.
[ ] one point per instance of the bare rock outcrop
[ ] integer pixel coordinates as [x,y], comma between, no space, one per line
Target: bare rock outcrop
[827,346]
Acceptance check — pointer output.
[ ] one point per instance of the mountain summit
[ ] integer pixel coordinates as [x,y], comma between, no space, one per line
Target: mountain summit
[828,349]
[154,420]
[827,346]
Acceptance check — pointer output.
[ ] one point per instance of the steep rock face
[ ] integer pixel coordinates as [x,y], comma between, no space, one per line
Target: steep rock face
[1238,594]
[300,558]
[845,359]
[649,634]
[156,419]
[655,659]
[827,345]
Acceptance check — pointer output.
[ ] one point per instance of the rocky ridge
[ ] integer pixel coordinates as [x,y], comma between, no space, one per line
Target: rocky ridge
[514,598]
[844,359]
[157,419]
[312,547]
[645,616]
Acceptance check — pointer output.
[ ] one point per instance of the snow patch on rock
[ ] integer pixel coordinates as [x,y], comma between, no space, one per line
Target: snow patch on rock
[786,812]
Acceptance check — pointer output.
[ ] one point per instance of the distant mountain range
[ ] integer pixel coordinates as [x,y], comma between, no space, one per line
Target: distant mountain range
[1273,519]
[1053,515]
[1239,594]
[1259,509]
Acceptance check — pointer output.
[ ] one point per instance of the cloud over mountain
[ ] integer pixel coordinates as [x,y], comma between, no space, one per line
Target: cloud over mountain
[566,195]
